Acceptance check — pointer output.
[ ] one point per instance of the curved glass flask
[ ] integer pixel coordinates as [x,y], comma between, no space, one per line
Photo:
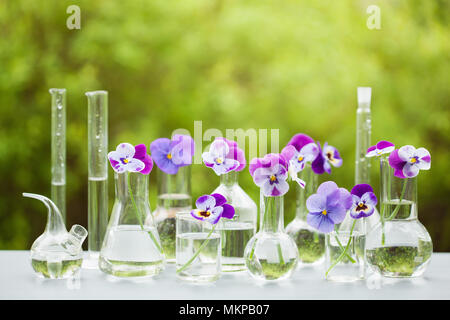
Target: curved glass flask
[271,254]
[174,195]
[310,242]
[398,246]
[131,247]
[236,233]
[57,254]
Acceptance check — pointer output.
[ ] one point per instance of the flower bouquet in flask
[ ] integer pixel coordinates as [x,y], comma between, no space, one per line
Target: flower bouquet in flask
[226,159]
[271,254]
[399,245]
[173,157]
[307,160]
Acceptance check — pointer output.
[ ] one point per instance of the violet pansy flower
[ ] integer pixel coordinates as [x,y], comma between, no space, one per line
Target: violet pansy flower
[212,208]
[170,155]
[328,156]
[126,157]
[222,156]
[328,206]
[408,161]
[270,174]
[382,147]
[364,201]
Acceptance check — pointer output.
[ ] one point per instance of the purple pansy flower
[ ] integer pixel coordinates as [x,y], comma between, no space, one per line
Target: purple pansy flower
[407,161]
[364,201]
[218,157]
[235,153]
[328,155]
[212,207]
[169,155]
[382,147]
[131,159]
[328,206]
[300,150]
[270,174]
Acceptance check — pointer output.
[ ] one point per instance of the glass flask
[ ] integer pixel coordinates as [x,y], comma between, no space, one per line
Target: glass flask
[59,149]
[310,242]
[348,266]
[271,254]
[131,247]
[399,246]
[363,133]
[238,231]
[198,249]
[174,195]
[57,254]
[97,174]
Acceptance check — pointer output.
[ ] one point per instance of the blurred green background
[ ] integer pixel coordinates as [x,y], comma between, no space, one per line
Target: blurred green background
[292,65]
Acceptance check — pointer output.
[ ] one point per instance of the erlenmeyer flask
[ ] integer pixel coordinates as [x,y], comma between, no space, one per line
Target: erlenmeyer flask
[131,247]
[57,254]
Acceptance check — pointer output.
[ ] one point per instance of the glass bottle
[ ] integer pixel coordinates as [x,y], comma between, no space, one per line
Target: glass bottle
[271,254]
[363,133]
[57,254]
[174,195]
[398,246]
[59,149]
[97,173]
[350,233]
[310,242]
[131,247]
[235,233]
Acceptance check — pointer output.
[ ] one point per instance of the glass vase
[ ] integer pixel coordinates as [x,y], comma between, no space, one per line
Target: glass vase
[346,265]
[174,195]
[131,247]
[271,254]
[310,242]
[236,233]
[399,246]
[198,249]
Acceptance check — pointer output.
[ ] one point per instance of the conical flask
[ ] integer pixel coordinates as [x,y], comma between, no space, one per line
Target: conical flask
[57,254]
[132,247]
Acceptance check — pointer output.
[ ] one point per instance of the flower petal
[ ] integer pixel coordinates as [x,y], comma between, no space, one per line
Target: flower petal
[336,213]
[125,150]
[226,166]
[369,198]
[316,203]
[371,152]
[220,199]
[182,149]
[134,165]
[216,214]
[410,170]
[310,151]
[406,152]
[346,198]
[320,222]
[289,152]
[299,140]
[228,211]
[261,175]
[385,146]
[205,202]
[280,188]
[361,189]
[395,161]
[327,187]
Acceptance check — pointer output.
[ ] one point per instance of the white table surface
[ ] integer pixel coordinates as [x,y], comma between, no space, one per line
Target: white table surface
[18,281]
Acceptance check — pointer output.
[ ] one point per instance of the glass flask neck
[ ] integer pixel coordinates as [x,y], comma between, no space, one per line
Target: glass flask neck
[272,209]
[363,131]
[398,195]
[137,182]
[229,179]
[310,179]
[178,183]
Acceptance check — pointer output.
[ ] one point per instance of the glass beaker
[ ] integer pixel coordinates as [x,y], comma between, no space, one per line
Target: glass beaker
[131,247]
[310,242]
[271,254]
[399,245]
[198,249]
[236,233]
[174,195]
[57,254]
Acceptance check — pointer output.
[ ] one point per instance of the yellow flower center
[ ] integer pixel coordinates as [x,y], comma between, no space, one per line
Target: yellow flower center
[413,160]
[361,204]
[126,160]
[273,178]
[324,212]
[219,160]
[300,159]
[169,156]
[205,214]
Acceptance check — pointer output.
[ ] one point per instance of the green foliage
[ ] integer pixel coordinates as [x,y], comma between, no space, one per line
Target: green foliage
[292,65]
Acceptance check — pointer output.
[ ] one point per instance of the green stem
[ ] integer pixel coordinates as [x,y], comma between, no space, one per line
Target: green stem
[138,215]
[394,213]
[198,251]
[345,250]
[340,244]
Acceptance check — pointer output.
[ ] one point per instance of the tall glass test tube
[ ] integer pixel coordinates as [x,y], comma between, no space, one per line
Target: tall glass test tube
[97,173]
[58,192]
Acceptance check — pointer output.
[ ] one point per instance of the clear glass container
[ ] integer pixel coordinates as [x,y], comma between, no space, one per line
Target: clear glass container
[57,254]
[350,234]
[131,247]
[174,195]
[198,249]
[310,242]
[97,174]
[238,231]
[399,246]
[59,149]
[271,254]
